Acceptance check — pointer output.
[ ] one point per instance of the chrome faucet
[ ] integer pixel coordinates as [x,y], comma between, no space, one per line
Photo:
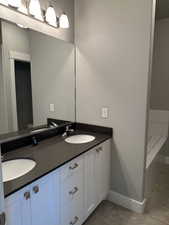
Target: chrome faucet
[67,131]
[2,158]
[53,124]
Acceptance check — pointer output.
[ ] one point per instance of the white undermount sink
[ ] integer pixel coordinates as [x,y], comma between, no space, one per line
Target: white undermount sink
[13,169]
[80,139]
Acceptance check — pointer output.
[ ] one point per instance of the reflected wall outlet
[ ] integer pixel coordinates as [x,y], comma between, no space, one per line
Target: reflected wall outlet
[51,107]
[105,112]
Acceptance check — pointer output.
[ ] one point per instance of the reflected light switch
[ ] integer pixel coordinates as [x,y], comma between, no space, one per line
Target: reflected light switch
[52,107]
[104,113]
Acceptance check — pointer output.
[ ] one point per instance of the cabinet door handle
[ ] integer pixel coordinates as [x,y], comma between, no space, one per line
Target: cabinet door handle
[74,221]
[75,189]
[27,195]
[73,167]
[99,149]
[36,189]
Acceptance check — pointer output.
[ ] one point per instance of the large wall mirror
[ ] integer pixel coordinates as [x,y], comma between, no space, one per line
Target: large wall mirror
[37,79]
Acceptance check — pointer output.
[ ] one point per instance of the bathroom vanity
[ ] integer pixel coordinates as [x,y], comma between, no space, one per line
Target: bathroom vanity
[57,178]
[66,185]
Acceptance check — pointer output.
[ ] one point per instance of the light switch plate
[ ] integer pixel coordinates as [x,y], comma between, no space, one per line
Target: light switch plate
[104,112]
[52,107]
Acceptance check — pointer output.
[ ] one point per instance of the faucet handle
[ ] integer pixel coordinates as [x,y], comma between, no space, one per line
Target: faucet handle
[64,134]
[67,127]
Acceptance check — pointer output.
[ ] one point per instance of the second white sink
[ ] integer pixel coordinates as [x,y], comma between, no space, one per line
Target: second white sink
[13,169]
[80,139]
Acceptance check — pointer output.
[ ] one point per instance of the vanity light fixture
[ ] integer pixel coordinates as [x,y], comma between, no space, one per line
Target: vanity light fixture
[50,16]
[14,3]
[64,21]
[35,9]
[4,2]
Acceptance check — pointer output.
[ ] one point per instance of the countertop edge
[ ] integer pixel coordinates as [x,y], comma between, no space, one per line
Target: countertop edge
[57,167]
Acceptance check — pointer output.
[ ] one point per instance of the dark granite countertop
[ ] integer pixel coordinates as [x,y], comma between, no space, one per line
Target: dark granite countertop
[49,154]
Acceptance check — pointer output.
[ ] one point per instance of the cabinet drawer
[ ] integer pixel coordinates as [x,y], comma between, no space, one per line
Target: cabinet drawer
[72,189]
[73,167]
[72,214]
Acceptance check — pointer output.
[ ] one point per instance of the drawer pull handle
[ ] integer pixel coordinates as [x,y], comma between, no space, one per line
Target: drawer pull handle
[73,167]
[75,189]
[27,195]
[75,221]
[36,189]
[99,149]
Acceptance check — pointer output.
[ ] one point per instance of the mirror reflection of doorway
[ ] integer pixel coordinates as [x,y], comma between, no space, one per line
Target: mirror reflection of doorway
[23,94]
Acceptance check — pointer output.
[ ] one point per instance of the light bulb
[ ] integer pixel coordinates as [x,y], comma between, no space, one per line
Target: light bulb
[4,2]
[51,16]
[64,21]
[35,9]
[23,9]
[14,3]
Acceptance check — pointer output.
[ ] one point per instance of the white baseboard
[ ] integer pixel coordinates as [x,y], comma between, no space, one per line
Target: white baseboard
[126,202]
[163,159]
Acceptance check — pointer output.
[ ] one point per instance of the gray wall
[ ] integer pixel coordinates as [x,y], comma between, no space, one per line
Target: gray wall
[160,72]
[53,78]
[113,42]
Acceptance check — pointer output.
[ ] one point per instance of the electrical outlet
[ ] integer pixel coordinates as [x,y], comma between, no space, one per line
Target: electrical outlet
[51,107]
[105,112]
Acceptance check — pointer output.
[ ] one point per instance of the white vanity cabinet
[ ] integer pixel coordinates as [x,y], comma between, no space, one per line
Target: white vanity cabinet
[72,192]
[102,171]
[17,208]
[66,196]
[34,205]
[97,176]
[44,199]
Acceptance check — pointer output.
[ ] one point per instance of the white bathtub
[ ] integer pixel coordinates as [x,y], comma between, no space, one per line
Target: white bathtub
[157,133]
[155,144]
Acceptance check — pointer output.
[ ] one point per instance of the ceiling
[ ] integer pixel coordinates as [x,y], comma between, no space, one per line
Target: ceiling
[162,9]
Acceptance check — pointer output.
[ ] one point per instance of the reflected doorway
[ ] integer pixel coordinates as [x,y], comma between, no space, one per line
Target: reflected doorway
[23,88]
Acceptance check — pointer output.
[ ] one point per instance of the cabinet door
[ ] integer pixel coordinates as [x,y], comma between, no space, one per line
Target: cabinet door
[43,202]
[17,208]
[90,192]
[102,171]
[105,169]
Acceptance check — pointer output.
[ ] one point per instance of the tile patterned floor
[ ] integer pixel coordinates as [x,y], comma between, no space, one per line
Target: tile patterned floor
[157,212]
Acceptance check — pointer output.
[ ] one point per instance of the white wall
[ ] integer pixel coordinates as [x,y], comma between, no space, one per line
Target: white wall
[113,42]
